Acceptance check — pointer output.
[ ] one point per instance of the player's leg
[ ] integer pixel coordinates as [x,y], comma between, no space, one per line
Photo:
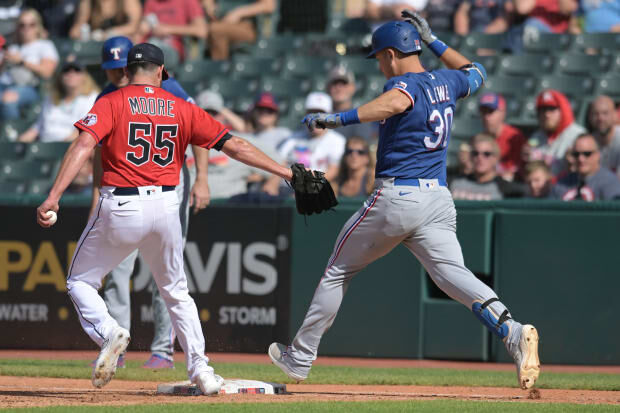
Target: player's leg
[102,246]
[116,292]
[365,237]
[163,251]
[436,246]
[162,346]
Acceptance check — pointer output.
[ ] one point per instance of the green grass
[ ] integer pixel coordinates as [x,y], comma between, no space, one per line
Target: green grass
[319,375]
[435,406]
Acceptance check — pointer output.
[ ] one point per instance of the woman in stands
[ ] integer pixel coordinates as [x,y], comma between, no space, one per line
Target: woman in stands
[73,92]
[357,170]
[27,62]
[102,19]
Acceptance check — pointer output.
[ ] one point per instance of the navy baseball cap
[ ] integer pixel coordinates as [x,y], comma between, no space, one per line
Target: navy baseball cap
[147,52]
[114,52]
[492,101]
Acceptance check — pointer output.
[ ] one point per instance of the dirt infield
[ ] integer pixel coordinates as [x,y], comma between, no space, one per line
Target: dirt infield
[35,392]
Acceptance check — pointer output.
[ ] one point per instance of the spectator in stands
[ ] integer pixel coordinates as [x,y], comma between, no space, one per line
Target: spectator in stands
[538,179]
[102,19]
[26,63]
[166,22]
[486,16]
[58,15]
[320,149]
[464,165]
[341,88]
[440,14]
[548,16]
[484,184]
[603,121]
[238,25]
[72,93]
[557,129]
[263,121]
[592,181]
[601,16]
[492,107]
[381,11]
[213,103]
[356,174]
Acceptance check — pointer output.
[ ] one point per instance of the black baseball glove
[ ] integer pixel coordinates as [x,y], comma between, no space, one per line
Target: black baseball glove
[313,193]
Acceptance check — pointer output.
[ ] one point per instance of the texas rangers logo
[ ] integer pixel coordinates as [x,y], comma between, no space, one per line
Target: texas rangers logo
[90,119]
[402,84]
[115,51]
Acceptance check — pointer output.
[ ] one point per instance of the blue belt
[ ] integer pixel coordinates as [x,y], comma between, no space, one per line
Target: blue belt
[416,181]
[135,191]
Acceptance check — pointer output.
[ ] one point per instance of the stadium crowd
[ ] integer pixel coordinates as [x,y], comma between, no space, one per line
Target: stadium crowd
[551,141]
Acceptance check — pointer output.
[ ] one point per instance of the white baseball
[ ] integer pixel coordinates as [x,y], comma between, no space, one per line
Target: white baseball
[52,217]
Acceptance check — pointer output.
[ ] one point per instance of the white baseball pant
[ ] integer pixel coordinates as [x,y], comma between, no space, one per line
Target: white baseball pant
[150,223]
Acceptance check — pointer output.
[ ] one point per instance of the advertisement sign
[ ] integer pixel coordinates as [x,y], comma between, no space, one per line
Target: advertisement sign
[237,262]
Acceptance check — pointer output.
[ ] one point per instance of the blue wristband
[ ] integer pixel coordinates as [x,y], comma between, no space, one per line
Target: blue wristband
[349,118]
[438,47]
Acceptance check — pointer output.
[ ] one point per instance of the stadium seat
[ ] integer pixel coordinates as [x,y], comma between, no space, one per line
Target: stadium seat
[12,151]
[345,26]
[16,188]
[319,82]
[242,104]
[359,65]
[571,86]
[478,40]
[583,64]
[526,65]
[374,86]
[450,38]
[47,150]
[490,63]
[528,118]
[282,88]
[549,43]
[430,62]
[39,186]
[233,88]
[604,43]
[244,66]
[277,45]
[199,70]
[11,129]
[609,85]
[304,66]
[26,170]
[510,86]
[85,52]
[465,127]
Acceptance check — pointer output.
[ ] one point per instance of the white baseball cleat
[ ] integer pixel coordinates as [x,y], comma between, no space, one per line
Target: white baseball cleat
[526,357]
[208,381]
[105,365]
[279,356]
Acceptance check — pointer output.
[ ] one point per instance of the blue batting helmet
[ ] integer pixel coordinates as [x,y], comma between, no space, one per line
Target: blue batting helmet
[114,52]
[400,35]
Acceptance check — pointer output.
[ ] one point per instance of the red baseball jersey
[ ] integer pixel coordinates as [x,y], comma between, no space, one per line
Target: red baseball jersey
[144,131]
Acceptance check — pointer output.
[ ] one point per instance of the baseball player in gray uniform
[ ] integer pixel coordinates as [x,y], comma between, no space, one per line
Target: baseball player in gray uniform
[411,203]
[116,292]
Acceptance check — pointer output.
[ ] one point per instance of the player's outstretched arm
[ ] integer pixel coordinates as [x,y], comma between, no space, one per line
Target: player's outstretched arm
[77,154]
[243,151]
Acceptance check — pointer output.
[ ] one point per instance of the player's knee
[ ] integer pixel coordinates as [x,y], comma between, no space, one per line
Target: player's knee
[495,323]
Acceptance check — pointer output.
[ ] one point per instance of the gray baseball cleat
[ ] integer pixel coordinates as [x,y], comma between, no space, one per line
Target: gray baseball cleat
[208,381]
[106,363]
[279,356]
[524,351]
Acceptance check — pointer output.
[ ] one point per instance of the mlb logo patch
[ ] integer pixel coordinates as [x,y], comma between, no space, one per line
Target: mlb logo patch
[90,119]
[430,185]
[148,90]
[417,43]
[402,84]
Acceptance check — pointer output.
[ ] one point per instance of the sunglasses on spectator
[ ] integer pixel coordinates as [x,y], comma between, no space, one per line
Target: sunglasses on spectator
[71,69]
[357,151]
[486,154]
[25,24]
[586,154]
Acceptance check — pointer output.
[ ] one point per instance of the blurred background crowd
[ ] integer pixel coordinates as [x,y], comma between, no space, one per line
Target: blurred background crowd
[545,125]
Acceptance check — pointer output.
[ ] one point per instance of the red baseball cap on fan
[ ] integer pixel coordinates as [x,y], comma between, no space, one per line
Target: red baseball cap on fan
[547,99]
[266,100]
[492,101]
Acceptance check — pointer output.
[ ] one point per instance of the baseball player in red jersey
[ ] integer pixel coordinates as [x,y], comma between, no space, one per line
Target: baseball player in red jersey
[144,132]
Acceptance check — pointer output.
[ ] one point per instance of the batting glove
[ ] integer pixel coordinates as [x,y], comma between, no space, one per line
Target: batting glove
[420,24]
[322,121]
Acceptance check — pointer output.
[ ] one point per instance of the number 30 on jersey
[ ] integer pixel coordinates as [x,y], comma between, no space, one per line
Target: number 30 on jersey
[442,130]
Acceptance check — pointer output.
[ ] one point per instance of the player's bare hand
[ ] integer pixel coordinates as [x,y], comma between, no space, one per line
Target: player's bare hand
[420,24]
[200,197]
[42,218]
[322,121]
